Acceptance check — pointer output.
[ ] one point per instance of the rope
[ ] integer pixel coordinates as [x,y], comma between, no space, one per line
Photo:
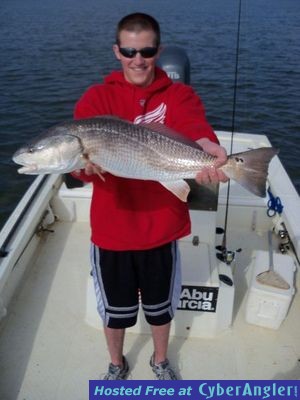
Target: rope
[274,204]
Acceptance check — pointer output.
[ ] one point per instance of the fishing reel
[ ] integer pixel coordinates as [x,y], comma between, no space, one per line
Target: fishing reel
[223,254]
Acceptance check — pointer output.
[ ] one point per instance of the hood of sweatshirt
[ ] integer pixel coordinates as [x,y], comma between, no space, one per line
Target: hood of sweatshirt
[160,82]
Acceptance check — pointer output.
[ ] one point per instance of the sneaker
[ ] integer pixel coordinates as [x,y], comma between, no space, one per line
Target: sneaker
[162,370]
[115,372]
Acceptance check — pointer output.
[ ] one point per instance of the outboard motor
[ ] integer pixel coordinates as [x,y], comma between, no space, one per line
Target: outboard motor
[175,62]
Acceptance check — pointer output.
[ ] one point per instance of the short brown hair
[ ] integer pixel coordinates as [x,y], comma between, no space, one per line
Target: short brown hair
[138,22]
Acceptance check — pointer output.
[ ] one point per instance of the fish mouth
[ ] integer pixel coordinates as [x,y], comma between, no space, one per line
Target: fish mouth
[27,166]
[28,169]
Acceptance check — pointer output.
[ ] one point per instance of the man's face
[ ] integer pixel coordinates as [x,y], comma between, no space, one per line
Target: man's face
[138,70]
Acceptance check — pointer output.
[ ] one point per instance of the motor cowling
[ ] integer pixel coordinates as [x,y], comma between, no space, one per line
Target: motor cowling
[175,62]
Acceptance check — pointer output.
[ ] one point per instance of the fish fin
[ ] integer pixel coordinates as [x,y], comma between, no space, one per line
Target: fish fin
[250,169]
[170,133]
[179,188]
[109,116]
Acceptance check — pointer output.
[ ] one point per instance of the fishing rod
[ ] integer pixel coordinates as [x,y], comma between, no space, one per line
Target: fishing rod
[226,255]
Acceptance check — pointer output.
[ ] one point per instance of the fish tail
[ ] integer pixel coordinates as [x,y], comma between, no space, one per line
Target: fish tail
[250,169]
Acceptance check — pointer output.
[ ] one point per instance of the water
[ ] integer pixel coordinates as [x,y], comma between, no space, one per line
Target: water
[52,50]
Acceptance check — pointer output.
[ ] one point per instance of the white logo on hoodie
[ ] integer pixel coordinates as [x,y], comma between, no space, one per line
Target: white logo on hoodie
[157,115]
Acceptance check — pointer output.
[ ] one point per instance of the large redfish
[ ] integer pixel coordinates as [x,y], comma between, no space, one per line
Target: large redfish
[148,152]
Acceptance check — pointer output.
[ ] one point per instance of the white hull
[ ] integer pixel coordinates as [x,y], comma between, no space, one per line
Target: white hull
[51,341]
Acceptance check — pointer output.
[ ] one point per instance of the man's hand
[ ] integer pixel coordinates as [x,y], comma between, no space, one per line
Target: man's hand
[212,174]
[91,169]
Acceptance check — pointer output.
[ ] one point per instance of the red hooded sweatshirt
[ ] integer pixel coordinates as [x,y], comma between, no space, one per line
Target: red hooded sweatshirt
[130,214]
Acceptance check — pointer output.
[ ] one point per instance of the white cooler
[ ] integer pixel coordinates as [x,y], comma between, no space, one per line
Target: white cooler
[267,306]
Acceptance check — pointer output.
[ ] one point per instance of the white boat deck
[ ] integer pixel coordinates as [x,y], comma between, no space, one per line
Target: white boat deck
[47,351]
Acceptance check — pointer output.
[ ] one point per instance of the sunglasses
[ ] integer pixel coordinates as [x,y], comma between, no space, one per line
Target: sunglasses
[146,52]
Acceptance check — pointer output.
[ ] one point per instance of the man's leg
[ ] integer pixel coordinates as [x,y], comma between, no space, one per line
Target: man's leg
[159,363]
[115,342]
[118,369]
[117,303]
[160,336]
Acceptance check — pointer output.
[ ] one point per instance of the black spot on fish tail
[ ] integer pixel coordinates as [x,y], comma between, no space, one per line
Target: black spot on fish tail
[250,169]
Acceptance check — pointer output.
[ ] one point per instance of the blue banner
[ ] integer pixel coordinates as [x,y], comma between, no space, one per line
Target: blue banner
[192,390]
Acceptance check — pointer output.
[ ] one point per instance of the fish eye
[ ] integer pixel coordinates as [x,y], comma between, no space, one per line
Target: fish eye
[36,148]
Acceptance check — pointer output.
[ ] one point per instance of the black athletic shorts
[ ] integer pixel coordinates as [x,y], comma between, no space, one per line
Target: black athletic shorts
[124,279]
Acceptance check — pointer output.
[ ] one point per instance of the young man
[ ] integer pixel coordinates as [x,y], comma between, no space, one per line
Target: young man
[135,224]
